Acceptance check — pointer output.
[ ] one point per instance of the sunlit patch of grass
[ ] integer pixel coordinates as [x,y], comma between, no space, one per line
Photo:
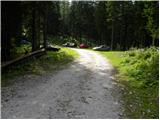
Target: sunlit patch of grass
[140,96]
[112,56]
[46,63]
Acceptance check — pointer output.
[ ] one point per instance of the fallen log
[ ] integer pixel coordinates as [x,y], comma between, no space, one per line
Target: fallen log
[22,59]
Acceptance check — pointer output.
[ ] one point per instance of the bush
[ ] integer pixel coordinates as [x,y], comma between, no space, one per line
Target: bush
[143,65]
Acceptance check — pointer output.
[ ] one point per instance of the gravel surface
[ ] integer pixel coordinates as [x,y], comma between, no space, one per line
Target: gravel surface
[83,89]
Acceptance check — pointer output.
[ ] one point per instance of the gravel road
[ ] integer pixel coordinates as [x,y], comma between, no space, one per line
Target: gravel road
[83,89]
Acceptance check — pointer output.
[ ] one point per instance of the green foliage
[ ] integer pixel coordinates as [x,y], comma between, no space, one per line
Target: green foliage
[151,12]
[141,103]
[142,65]
[46,63]
[138,71]
[142,71]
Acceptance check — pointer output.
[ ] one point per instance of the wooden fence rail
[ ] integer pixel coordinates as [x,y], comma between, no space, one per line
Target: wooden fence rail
[22,59]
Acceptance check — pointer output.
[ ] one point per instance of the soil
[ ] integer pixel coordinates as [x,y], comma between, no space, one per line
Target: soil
[83,89]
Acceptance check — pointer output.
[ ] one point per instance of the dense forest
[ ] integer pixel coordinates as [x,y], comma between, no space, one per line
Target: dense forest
[117,24]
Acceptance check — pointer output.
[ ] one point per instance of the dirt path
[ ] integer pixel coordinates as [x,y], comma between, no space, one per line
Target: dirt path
[84,89]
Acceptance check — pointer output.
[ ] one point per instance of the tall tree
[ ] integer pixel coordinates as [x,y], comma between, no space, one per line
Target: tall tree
[11,25]
[100,21]
[112,15]
[53,18]
[151,11]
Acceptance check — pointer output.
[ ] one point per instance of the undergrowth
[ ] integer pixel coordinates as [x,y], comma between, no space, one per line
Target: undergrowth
[20,50]
[50,61]
[138,70]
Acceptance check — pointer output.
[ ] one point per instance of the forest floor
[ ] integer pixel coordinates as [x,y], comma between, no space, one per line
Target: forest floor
[83,89]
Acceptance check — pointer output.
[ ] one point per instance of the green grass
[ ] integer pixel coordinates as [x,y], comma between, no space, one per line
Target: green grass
[49,62]
[114,57]
[140,98]
[141,102]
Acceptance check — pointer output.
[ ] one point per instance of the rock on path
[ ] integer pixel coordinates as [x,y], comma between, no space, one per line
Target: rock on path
[84,89]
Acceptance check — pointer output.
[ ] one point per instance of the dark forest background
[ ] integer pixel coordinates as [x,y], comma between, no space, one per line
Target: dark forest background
[117,24]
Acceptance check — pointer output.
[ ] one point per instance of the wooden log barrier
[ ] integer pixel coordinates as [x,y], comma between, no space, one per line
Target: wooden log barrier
[22,59]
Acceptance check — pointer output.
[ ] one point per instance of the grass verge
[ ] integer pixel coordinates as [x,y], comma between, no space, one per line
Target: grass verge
[140,101]
[50,61]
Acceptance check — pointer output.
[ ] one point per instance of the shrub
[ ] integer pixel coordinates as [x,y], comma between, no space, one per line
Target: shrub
[143,65]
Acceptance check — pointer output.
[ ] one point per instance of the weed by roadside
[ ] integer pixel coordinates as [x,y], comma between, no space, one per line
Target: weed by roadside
[39,66]
[138,69]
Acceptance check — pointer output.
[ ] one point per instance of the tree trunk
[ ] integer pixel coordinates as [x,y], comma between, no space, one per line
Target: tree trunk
[45,30]
[33,28]
[38,30]
[112,38]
